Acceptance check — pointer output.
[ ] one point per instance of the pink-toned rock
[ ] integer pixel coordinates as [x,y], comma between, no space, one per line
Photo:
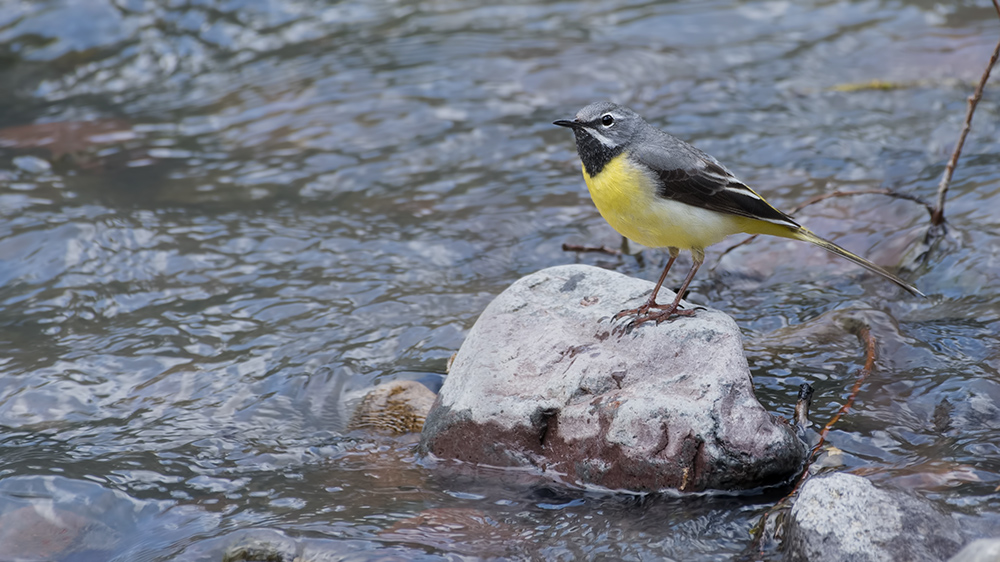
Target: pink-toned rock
[542,382]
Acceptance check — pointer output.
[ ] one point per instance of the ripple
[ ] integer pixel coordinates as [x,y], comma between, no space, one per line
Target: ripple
[222,222]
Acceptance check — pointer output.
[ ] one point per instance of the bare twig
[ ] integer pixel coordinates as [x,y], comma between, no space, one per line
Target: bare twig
[864,333]
[937,217]
[600,249]
[887,192]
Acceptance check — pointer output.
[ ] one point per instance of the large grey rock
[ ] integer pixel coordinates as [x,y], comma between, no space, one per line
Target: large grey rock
[843,517]
[542,382]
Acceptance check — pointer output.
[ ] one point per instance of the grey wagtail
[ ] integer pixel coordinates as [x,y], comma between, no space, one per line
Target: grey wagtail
[662,192]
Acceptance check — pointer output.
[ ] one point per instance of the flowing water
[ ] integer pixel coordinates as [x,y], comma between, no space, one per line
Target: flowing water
[221,221]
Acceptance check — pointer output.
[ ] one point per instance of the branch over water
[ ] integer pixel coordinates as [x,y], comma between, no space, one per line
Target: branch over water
[937,217]
[864,334]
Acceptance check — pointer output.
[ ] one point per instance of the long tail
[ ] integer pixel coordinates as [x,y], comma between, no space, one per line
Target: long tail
[807,236]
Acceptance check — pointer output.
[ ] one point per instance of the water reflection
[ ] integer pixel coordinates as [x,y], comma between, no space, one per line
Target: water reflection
[223,222]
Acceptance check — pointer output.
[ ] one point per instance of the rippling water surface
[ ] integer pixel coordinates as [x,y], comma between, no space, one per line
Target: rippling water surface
[221,221]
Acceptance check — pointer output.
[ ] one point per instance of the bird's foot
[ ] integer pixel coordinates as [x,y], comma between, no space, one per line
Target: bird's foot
[641,311]
[649,312]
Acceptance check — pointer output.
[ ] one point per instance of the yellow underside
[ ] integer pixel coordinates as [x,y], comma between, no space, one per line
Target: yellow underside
[626,197]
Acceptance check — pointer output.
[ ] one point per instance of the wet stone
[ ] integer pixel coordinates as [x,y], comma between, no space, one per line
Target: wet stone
[262,545]
[395,407]
[45,532]
[464,530]
[845,517]
[541,381]
[980,550]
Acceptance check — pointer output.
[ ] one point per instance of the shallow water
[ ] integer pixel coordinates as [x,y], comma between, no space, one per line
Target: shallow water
[222,221]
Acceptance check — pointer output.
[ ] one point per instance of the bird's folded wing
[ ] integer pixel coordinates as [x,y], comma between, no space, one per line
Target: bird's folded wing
[690,176]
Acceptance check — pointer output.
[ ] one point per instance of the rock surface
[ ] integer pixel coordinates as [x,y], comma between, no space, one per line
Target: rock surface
[542,382]
[981,550]
[845,517]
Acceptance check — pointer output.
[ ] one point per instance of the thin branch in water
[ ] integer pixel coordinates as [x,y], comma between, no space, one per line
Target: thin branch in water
[864,334]
[937,217]
[599,249]
[886,192]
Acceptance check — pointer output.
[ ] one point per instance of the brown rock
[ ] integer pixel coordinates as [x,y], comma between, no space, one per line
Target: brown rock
[394,407]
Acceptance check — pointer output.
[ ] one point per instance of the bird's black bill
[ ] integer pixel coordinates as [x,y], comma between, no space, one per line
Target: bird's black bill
[567,123]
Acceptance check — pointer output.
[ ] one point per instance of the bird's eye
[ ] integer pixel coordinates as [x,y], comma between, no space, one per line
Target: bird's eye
[607,120]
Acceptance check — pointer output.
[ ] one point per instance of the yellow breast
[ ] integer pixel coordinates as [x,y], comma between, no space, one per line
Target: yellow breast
[626,197]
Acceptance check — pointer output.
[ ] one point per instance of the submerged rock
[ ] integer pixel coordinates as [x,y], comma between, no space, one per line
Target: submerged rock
[542,382]
[262,545]
[845,517]
[46,532]
[466,531]
[395,407]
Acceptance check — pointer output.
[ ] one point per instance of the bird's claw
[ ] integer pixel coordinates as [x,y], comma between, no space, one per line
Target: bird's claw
[642,315]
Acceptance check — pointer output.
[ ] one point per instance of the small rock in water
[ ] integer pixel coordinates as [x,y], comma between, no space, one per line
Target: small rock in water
[542,382]
[394,407]
[264,545]
[45,532]
[981,550]
[845,517]
[460,530]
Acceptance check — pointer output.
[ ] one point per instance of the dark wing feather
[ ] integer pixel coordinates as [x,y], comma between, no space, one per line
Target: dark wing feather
[691,176]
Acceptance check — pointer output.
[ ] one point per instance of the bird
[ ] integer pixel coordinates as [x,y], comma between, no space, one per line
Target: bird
[662,192]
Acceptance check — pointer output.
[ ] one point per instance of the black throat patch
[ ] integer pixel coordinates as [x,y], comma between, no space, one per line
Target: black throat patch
[593,154]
